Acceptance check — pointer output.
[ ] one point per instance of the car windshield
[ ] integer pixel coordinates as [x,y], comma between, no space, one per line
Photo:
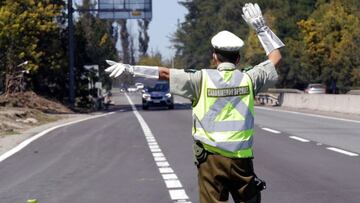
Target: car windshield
[316,86]
[163,87]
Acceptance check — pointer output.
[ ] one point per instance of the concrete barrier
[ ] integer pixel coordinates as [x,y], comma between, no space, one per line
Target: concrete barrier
[322,102]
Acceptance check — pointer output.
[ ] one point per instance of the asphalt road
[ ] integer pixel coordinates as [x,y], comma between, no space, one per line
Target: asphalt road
[146,157]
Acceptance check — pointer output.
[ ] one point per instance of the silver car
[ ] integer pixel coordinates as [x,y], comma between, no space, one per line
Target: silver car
[315,88]
[159,95]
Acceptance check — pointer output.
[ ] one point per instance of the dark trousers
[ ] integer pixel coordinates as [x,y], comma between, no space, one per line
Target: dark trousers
[220,176]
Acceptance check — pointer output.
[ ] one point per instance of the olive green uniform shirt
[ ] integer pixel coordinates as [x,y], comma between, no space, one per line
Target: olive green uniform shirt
[188,84]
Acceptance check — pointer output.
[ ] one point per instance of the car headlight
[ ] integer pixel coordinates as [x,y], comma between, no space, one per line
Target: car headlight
[168,95]
[146,95]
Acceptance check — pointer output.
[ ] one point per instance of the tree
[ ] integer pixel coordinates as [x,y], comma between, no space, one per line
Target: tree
[206,18]
[132,51]
[355,78]
[94,45]
[320,37]
[332,44]
[124,37]
[152,60]
[24,24]
[143,36]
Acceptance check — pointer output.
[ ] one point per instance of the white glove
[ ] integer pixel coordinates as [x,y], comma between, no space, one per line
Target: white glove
[116,69]
[253,16]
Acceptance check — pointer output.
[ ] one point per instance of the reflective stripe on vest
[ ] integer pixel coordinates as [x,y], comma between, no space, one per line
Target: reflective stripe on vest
[212,132]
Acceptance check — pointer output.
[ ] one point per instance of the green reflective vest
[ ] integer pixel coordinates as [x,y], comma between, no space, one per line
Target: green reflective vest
[223,117]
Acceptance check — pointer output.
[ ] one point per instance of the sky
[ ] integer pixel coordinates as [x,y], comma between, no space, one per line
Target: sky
[165,17]
[166,14]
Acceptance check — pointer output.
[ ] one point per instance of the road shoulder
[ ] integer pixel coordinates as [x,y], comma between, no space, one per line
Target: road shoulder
[8,142]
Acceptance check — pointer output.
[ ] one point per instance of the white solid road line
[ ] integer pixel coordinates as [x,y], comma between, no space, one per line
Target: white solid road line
[342,151]
[299,139]
[308,114]
[169,177]
[26,142]
[271,130]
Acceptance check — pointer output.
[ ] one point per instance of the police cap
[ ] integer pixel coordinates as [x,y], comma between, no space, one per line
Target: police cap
[226,41]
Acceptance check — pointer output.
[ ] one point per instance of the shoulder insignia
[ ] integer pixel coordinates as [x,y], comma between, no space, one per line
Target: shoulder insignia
[247,68]
[190,70]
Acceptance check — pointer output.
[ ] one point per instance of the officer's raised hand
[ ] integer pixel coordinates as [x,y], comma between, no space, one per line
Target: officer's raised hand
[253,16]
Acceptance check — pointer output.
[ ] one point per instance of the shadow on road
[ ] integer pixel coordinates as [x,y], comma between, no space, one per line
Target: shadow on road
[126,108]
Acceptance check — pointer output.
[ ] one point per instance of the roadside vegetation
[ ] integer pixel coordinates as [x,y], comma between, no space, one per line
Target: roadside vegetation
[322,44]
[322,38]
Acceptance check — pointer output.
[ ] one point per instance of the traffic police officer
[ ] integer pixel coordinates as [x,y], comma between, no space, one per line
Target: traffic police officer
[223,110]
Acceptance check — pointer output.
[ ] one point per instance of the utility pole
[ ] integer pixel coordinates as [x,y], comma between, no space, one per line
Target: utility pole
[71,54]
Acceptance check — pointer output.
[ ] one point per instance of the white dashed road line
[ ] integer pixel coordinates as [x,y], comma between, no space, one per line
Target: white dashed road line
[176,191]
[271,130]
[342,151]
[317,144]
[299,139]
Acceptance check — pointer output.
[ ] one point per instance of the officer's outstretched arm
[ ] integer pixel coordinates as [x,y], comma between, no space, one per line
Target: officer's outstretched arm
[271,43]
[116,69]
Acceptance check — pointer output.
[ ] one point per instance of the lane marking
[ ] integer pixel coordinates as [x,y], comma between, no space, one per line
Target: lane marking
[173,184]
[155,150]
[159,158]
[305,140]
[271,130]
[158,154]
[309,114]
[26,142]
[166,170]
[162,164]
[178,194]
[299,139]
[342,151]
[169,177]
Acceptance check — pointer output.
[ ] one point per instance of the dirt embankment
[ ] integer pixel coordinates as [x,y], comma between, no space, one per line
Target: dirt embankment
[21,111]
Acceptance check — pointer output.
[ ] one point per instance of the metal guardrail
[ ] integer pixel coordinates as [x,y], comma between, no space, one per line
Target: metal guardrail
[268,99]
[285,90]
[274,97]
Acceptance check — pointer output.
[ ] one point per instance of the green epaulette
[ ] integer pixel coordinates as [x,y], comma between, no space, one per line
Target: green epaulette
[190,70]
[247,68]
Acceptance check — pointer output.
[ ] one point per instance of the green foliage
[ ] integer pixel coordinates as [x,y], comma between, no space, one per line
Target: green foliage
[205,18]
[331,44]
[355,77]
[23,25]
[151,60]
[321,37]
[27,29]
[94,44]
[36,31]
